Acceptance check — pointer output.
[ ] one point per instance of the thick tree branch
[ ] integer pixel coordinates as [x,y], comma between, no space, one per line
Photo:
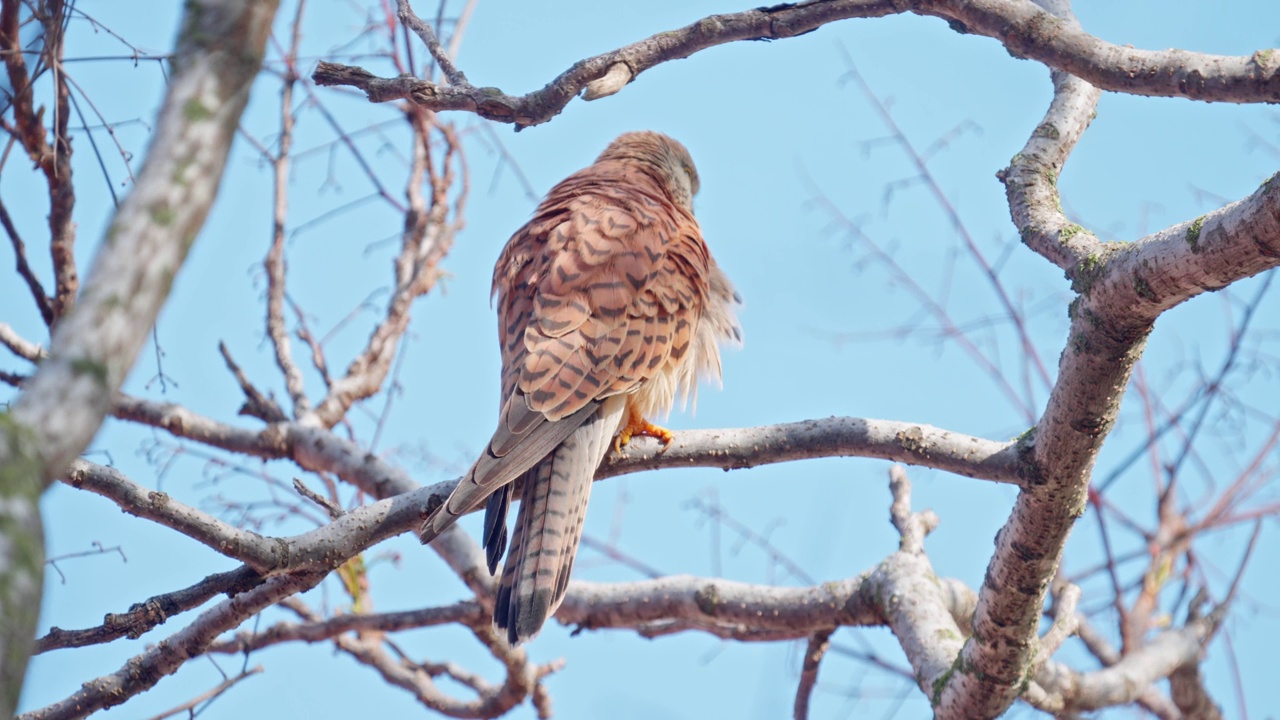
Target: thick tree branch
[902,592]
[406,505]
[724,608]
[1030,32]
[1031,180]
[615,68]
[270,442]
[1098,646]
[1123,289]
[467,612]
[317,449]
[1122,296]
[1026,30]
[912,597]
[254,550]
[59,409]
[144,616]
[1069,691]
[1134,283]
[910,443]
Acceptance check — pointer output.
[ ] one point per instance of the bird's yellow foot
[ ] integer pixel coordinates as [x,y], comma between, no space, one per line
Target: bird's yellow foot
[638,426]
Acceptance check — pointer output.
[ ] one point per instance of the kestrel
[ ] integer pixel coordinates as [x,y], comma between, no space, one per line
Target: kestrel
[609,305]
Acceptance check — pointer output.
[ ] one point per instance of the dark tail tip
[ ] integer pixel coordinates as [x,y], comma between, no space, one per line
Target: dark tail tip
[495,526]
[521,616]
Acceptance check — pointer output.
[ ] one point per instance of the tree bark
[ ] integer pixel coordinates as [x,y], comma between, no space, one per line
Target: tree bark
[218,56]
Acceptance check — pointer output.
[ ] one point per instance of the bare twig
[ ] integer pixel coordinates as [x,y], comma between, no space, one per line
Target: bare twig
[427,235]
[938,310]
[814,650]
[98,549]
[275,262]
[24,268]
[189,706]
[428,36]
[53,160]
[918,159]
[256,404]
[912,526]
[316,629]
[331,508]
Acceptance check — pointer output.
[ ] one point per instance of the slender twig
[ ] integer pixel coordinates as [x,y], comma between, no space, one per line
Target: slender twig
[24,268]
[813,652]
[316,629]
[256,404]
[938,310]
[425,33]
[189,707]
[1030,353]
[275,262]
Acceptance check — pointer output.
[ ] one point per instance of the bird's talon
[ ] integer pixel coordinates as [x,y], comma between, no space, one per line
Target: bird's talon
[638,426]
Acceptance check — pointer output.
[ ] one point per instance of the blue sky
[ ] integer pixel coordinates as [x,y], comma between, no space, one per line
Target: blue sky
[771,126]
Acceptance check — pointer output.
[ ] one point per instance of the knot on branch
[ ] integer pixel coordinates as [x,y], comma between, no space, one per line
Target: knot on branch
[617,77]
[140,619]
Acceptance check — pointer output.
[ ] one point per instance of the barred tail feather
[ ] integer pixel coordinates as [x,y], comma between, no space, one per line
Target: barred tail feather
[549,525]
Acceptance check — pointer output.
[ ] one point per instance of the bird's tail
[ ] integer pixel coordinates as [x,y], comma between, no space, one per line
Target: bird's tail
[548,526]
[524,437]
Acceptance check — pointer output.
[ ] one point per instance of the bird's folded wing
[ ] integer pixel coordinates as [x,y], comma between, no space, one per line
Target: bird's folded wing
[598,294]
[523,438]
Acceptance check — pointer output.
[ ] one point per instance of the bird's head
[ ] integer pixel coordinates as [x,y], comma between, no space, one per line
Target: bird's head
[669,158]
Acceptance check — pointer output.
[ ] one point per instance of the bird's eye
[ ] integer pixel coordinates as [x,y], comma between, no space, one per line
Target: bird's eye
[693,177]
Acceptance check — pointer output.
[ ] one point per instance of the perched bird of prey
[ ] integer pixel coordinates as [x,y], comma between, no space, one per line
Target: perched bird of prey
[609,305]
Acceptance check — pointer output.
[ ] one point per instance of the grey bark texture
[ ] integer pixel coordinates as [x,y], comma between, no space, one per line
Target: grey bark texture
[218,54]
